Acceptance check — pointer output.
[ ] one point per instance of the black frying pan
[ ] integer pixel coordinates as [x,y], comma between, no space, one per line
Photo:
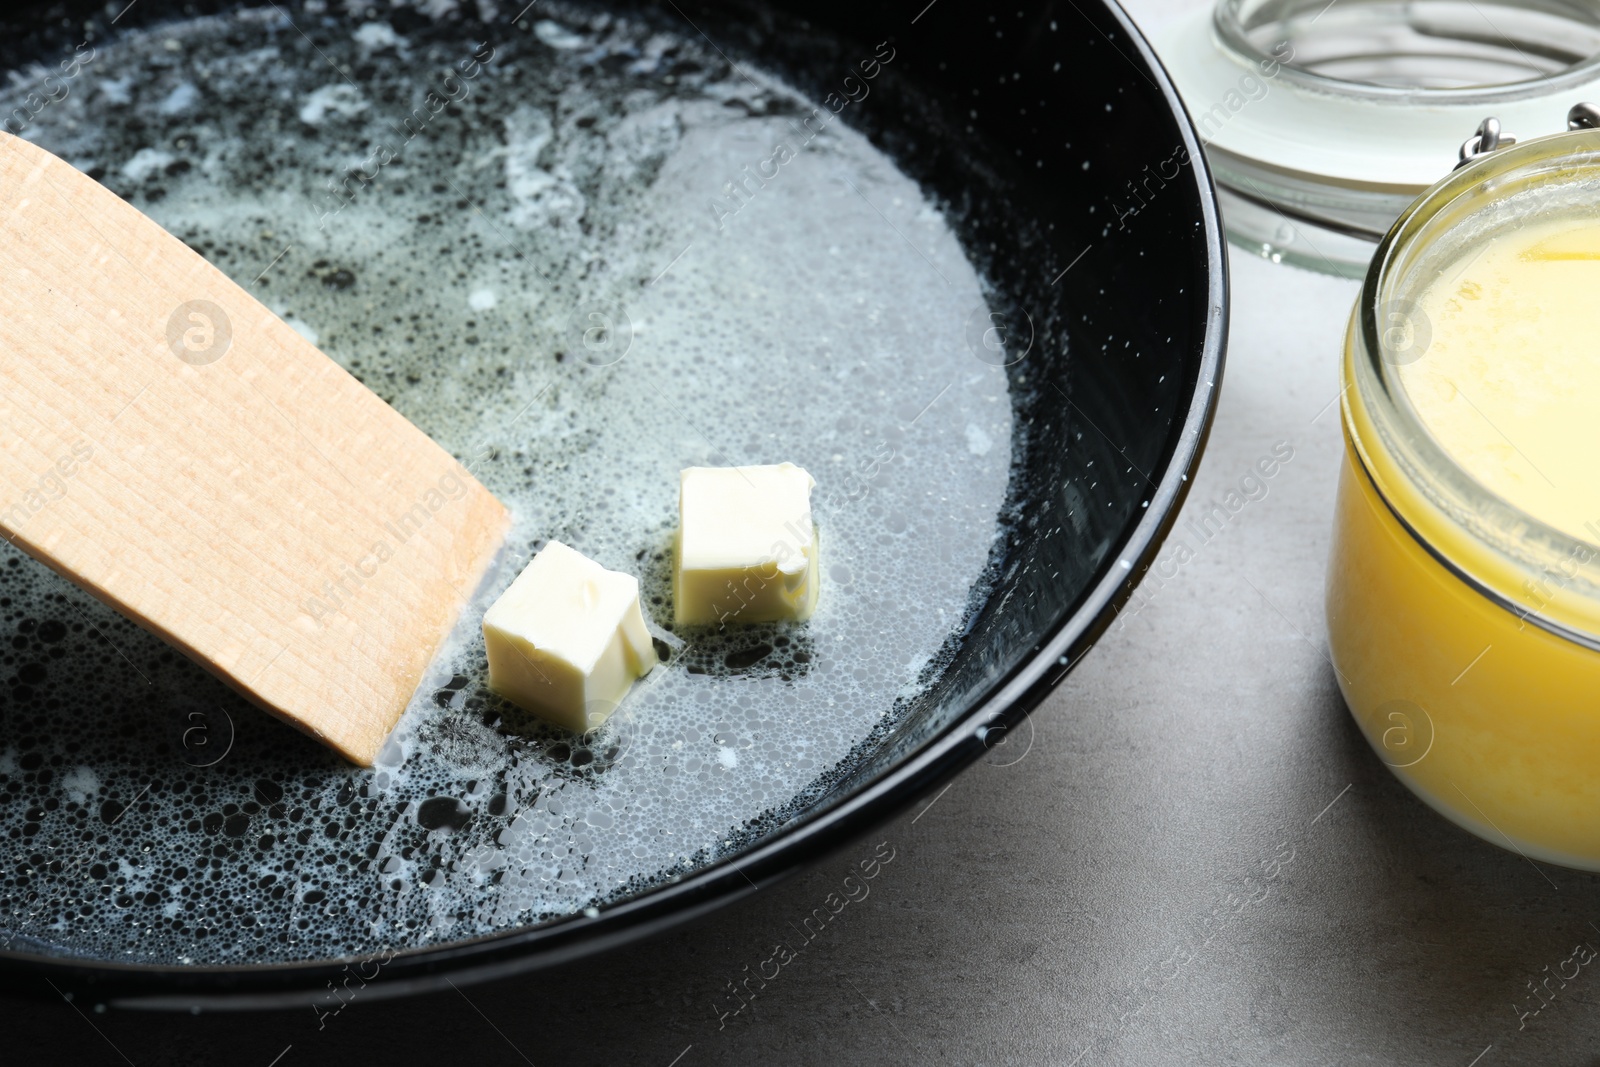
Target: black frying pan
[1034,160]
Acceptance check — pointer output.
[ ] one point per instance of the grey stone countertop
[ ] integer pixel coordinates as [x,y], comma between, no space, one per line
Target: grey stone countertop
[1190,857]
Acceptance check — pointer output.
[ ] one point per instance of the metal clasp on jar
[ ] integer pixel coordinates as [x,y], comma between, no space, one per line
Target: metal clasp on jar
[1490,137]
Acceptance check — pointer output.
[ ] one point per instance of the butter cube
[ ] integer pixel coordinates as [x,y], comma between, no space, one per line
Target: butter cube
[567,639]
[747,547]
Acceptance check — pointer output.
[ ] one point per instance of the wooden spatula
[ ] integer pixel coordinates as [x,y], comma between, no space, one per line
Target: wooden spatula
[174,448]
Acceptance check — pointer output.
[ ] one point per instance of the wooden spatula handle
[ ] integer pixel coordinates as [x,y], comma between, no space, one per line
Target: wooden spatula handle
[173,447]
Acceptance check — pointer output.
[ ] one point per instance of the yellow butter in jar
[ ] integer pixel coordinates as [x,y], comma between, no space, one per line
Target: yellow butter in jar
[1510,384]
[1464,585]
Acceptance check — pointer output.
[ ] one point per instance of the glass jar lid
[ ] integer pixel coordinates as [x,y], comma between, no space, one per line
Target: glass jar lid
[1322,122]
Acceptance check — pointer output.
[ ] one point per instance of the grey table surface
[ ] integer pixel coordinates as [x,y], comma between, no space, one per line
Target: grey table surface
[1189,856]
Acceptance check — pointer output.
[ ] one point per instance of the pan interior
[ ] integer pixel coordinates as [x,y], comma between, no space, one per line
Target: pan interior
[580,254]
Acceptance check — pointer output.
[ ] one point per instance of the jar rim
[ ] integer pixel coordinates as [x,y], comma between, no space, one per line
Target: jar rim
[1229,20]
[1515,541]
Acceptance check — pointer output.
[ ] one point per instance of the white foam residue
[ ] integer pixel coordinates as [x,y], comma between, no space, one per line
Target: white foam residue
[145,162]
[373,36]
[557,36]
[80,784]
[542,197]
[642,137]
[339,99]
[655,49]
[117,90]
[181,99]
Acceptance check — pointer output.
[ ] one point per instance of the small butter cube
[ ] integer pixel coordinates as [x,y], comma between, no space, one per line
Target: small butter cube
[567,639]
[747,548]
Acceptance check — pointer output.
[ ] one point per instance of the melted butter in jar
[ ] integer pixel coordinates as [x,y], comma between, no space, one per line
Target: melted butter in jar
[1510,382]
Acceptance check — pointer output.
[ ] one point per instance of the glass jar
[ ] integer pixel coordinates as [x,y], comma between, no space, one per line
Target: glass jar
[1323,121]
[1464,630]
